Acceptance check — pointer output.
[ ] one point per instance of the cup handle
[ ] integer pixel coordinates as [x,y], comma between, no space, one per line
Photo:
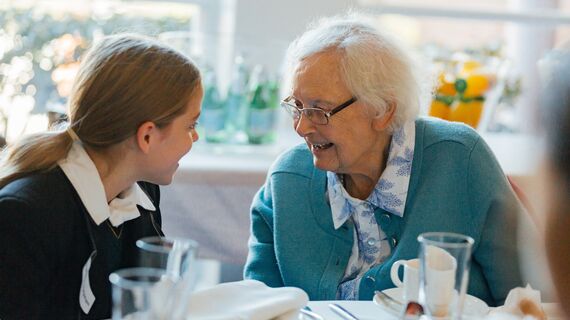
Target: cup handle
[394,273]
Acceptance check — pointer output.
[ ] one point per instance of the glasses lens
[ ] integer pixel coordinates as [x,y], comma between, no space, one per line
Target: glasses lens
[315,115]
[291,109]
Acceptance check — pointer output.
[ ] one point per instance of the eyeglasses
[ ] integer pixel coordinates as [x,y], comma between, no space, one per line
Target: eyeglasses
[315,115]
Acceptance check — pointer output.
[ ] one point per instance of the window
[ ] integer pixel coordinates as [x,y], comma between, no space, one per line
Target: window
[41,42]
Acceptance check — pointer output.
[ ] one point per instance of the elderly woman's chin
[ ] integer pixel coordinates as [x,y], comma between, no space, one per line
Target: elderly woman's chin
[325,160]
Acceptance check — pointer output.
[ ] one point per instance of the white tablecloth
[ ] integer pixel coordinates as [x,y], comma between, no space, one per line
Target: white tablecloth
[364,310]
[367,310]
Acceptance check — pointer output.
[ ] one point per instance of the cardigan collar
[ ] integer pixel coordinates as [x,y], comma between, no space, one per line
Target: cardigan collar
[391,190]
[318,187]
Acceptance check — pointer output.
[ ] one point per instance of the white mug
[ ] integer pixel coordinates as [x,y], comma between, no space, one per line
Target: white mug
[410,284]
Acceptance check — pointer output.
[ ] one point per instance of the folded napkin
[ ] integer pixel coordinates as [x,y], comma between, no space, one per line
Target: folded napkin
[520,303]
[247,299]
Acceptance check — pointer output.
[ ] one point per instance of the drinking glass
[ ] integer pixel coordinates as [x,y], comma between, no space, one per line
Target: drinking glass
[137,293]
[444,273]
[175,255]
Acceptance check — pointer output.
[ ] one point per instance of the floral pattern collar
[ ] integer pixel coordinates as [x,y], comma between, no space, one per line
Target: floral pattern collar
[391,191]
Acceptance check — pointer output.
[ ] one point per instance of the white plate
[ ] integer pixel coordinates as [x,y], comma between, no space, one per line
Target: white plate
[473,306]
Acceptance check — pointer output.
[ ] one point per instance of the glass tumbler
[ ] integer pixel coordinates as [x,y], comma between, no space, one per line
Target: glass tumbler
[175,255]
[137,293]
[444,273]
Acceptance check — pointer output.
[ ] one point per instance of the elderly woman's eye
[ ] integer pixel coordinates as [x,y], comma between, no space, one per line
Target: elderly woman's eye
[310,113]
[318,106]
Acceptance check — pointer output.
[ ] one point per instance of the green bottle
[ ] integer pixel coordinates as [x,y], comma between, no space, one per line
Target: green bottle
[263,112]
[213,113]
[236,102]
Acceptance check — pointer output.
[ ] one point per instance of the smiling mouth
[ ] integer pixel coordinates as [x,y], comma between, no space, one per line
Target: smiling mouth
[321,146]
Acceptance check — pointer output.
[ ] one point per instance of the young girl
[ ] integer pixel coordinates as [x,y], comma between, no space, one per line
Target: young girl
[73,203]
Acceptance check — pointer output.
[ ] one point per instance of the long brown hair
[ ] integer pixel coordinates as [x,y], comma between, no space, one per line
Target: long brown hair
[124,80]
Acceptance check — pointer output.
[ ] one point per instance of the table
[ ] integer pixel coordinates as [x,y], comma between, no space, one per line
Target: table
[364,310]
[367,310]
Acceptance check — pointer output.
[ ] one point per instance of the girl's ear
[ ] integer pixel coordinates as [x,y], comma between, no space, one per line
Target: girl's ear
[383,121]
[147,134]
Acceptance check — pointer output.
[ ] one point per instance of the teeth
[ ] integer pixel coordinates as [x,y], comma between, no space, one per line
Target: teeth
[322,146]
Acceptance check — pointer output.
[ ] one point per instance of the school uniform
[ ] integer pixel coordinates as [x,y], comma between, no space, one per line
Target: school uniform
[60,240]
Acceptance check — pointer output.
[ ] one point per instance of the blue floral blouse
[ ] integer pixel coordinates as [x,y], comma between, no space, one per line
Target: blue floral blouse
[371,246]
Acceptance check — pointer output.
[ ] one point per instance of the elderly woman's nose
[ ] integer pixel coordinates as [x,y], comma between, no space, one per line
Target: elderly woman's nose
[304,126]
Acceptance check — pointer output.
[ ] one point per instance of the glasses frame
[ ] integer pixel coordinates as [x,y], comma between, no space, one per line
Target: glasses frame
[287,105]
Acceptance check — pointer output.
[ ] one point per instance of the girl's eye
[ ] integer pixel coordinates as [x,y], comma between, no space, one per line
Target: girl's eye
[193,126]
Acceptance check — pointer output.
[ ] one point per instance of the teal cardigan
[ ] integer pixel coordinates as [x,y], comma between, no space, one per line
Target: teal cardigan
[456,185]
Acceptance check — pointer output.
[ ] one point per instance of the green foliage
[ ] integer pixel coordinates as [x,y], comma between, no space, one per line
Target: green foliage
[34,44]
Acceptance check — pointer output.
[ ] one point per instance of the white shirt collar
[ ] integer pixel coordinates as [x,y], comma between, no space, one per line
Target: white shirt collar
[81,171]
[391,191]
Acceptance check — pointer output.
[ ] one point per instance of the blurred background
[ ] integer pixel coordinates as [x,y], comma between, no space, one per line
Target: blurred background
[481,57]
[490,46]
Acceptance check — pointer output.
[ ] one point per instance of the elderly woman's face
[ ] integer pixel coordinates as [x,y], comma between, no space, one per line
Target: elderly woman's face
[353,137]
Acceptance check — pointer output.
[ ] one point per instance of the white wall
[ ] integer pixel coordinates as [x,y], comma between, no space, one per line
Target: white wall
[265,28]
[259,29]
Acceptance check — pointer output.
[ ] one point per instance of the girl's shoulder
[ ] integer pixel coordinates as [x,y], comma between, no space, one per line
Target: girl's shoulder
[39,190]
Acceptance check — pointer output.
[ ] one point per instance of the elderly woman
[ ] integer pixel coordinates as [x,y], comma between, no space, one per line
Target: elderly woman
[336,212]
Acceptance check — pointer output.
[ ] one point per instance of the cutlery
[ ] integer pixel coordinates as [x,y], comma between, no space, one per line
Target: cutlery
[342,312]
[413,310]
[384,296]
[307,312]
[392,305]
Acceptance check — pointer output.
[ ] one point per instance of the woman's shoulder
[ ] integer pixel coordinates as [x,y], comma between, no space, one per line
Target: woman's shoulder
[432,131]
[296,160]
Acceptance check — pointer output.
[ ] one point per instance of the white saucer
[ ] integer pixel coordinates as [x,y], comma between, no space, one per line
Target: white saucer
[473,307]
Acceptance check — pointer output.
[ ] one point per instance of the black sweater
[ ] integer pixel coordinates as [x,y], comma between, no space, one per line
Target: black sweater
[47,236]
